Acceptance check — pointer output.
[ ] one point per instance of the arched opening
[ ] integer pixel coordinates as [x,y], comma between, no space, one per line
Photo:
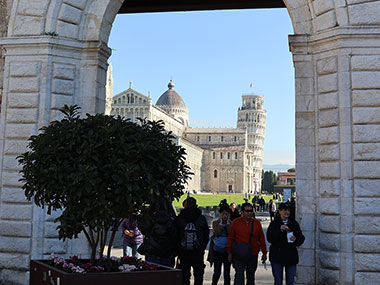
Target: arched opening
[57,54]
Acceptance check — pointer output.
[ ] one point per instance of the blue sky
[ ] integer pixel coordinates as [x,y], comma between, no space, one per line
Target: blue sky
[212,57]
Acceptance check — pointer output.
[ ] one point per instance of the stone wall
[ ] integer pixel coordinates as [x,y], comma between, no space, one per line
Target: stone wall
[4,11]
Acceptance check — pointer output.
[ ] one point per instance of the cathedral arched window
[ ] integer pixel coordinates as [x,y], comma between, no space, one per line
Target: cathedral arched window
[197,138]
[236,155]
[221,155]
[215,173]
[209,138]
[221,138]
[228,155]
[213,155]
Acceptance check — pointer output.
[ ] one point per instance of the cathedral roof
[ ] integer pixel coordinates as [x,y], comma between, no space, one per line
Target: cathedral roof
[170,97]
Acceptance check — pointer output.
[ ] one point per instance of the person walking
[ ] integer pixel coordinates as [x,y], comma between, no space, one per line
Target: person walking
[262,204]
[272,209]
[132,236]
[292,206]
[161,236]
[194,236]
[234,211]
[217,253]
[255,203]
[285,235]
[246,232]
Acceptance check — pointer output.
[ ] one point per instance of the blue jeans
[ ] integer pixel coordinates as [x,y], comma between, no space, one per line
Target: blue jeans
[278,272]
[130,249]
[219,260]
[249,267]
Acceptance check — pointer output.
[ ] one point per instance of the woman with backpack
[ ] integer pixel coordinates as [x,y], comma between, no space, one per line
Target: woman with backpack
[218,246]
[161,236]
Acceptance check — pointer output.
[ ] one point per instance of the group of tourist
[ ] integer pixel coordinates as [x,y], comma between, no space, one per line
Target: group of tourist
[237,239]
[258,203]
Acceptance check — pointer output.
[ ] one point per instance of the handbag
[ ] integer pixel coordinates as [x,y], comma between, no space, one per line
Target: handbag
[242,250]
[220,244]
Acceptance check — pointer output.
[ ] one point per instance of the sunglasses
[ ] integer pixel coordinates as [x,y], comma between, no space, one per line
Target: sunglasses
[248,211]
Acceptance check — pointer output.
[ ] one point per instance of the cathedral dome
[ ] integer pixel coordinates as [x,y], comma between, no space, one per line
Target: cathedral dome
[170,97]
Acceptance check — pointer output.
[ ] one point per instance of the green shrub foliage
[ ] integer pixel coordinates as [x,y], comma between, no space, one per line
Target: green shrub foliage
[99,169]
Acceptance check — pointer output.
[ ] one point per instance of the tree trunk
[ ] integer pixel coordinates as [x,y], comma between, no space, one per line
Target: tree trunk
[92,242]
[114,230]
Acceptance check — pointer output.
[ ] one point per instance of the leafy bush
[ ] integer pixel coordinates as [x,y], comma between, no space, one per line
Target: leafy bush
[100,169]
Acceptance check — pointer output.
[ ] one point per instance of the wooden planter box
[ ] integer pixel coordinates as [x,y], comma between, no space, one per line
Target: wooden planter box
[42,273]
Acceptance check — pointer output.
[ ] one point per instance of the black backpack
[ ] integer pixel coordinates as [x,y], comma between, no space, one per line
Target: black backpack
[160,241]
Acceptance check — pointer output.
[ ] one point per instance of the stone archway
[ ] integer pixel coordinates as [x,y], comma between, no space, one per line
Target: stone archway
[55,53]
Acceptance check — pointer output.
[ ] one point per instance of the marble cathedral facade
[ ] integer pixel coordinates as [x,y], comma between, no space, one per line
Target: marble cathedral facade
[223,160]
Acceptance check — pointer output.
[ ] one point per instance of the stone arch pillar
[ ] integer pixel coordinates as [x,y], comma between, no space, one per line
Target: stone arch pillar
[336,75]
[49,61]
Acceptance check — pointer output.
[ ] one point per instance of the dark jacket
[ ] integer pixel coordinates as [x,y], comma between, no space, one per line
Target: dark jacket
[235,214]
[280,250]
[162,236]
[193,215]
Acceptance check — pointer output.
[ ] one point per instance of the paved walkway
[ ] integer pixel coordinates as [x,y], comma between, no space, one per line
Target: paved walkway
[262,276]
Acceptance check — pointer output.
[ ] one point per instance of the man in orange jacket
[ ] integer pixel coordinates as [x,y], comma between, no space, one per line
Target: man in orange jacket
[240,233]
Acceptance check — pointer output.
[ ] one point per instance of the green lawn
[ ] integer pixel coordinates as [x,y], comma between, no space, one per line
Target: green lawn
[204,200]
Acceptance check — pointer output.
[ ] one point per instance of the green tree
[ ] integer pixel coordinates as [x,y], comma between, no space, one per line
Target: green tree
[291,170]
[100,169]
[269,180]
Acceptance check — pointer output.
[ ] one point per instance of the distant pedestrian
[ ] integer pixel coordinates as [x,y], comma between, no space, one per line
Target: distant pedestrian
[246,232]
[272,209]
[234,211]
[285,235]
[193,239]
[262,204]
[255,203]
[292,206]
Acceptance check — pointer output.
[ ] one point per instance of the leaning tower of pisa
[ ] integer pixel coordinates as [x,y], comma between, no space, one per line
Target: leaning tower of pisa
[252,117]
